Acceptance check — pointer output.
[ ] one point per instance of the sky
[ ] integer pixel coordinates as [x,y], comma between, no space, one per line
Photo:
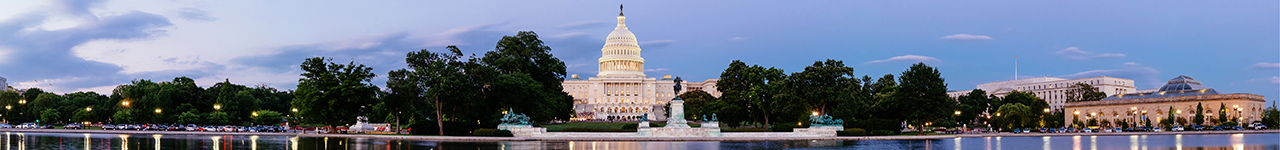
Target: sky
[94,45]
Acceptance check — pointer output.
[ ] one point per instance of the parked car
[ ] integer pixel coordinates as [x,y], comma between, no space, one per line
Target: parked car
[73,126]
[1176,128]
[1258,126]
[5,125]
[1197,127]
[108,127]
[28,125]
[192,127]
[1217,127]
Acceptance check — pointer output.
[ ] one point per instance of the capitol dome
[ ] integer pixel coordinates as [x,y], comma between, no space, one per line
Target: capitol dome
[620,56]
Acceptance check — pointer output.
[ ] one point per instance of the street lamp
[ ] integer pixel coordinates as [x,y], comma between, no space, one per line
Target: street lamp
[88,109]
[1046,110]
[255,114]
[217,106]
[23,101]
[295,110]
[125,103]
[815,113]
[157,110]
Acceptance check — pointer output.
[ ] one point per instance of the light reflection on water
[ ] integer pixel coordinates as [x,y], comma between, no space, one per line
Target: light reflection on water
[23,141]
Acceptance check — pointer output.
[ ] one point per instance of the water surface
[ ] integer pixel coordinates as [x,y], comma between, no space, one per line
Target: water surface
[75,141]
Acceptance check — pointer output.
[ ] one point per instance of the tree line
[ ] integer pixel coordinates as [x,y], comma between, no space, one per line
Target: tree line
[444,93]
[768,97]
[144,101]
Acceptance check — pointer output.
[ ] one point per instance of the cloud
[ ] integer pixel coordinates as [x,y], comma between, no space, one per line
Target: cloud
[906,58]
[656,43]
[966,37]
[655,70]
[569,35]
[1130,70]
[194,14]
[583,25]
[1273,80]
[1265,66]
[48,54]
[76,8]
[1077,54]
[737,38]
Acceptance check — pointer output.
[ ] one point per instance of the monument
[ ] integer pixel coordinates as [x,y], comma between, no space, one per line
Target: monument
[677,110]
[362,124]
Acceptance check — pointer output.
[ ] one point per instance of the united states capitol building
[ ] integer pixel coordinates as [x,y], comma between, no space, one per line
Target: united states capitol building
[621,90]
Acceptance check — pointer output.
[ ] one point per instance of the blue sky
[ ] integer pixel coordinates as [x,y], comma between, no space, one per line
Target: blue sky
[93,45]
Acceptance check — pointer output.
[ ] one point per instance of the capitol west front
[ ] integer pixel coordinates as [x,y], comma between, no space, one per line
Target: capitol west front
[621,90]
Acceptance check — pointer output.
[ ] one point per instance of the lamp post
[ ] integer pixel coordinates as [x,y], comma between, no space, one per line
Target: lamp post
[217,107]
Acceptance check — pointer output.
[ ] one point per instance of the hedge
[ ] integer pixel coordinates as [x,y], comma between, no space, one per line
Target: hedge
[746,130]
[597,130]
[852,132]
[491,132]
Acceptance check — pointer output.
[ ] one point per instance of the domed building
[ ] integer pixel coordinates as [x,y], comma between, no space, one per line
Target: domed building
[1182,93]
[621,90]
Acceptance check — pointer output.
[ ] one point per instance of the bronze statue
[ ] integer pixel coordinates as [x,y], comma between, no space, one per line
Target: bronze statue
[677,87]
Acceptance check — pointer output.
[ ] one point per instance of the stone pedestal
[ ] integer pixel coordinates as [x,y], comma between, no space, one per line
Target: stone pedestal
[509,126]
[677,115]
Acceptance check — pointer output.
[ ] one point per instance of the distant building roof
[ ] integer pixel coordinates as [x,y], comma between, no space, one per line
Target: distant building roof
[1178,86]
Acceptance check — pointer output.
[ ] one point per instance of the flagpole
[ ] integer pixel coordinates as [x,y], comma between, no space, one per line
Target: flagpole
[1015,67]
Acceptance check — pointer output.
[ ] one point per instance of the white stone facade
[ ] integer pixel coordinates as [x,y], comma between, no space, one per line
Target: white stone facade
[621,89]
[1052,90]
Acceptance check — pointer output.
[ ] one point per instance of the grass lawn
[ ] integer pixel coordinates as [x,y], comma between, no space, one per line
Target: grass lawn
[592,125]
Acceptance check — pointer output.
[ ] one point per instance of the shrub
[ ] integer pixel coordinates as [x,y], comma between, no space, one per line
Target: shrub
[783,128]
[631,126]
[664,124]
[746,130]
[597,130]
[882,132]
[852,132]
[876,124]
[491,132]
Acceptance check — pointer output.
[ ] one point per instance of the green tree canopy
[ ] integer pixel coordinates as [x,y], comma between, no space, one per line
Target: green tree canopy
[1084,92]
[332,93]
[922,85]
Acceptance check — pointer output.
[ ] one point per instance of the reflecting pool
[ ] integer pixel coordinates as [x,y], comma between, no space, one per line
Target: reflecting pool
[73,141]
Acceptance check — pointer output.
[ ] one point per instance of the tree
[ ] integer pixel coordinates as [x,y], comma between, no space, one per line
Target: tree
[752,88]
[1222,113]
[189,118]
[266,117]
[221,118]
[923,86]
[1271,116]
[332,93]
[819,84]
[49,115]
[525,54]
[123,116]
[698,103]
[1084,92]
[441,78]
[1015,115]
[973,104]
[1199,116]
[1171,119]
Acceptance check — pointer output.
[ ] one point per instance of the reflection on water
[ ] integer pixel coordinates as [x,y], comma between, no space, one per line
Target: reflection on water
[23,141]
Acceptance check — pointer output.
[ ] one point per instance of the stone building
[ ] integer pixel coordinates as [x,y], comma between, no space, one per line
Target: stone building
[621,90]
[4,84]
[1052,90]
[1182,93]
